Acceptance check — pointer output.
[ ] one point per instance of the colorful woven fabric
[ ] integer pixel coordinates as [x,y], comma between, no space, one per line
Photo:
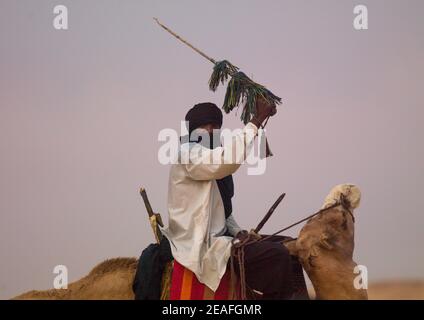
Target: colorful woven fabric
[179,283]
[185,286]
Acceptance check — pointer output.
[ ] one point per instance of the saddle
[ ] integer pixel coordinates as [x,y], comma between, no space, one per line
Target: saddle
[179,283]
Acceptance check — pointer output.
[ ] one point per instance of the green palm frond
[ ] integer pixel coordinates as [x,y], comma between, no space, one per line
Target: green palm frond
[243,90]
[240,89]
[222,70]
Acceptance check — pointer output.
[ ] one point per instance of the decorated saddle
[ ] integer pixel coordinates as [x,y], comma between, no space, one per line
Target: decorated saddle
[179,283]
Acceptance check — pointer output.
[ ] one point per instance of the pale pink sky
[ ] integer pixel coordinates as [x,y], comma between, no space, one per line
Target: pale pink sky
[80,112]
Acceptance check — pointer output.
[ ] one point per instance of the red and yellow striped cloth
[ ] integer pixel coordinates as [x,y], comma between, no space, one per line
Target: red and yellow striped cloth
[185,286]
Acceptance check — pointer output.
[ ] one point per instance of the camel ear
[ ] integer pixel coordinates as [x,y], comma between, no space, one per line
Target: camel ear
[325,242]
[309,255]
[314,251]
[291,246]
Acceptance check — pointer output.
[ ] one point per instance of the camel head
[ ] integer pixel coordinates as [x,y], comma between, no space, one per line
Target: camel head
[348,192]
[325,244]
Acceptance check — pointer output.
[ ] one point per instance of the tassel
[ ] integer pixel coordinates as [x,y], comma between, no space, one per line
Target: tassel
[221,72]
[242,90]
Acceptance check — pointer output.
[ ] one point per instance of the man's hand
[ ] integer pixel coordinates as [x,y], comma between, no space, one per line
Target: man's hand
[244,234]
[263,111]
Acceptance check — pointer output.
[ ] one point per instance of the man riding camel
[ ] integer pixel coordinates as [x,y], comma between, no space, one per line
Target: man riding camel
[201,227]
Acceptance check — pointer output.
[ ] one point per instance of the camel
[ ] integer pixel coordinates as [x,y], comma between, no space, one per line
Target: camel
[324,247]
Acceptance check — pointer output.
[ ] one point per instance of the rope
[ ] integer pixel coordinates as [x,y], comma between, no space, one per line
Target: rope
[237,252]
[300,221]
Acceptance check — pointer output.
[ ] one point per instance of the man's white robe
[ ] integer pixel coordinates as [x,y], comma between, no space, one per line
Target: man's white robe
[196,212]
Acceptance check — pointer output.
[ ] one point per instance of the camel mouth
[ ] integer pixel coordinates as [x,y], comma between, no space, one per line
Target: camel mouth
[348,194]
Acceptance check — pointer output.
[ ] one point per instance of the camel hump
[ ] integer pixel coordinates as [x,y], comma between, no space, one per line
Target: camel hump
[114,264]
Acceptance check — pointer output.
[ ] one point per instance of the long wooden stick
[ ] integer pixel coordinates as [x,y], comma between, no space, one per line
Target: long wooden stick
[154,218]
[269,213]
[185,41]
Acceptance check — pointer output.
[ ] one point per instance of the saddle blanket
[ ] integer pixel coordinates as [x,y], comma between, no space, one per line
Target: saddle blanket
[185,286]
